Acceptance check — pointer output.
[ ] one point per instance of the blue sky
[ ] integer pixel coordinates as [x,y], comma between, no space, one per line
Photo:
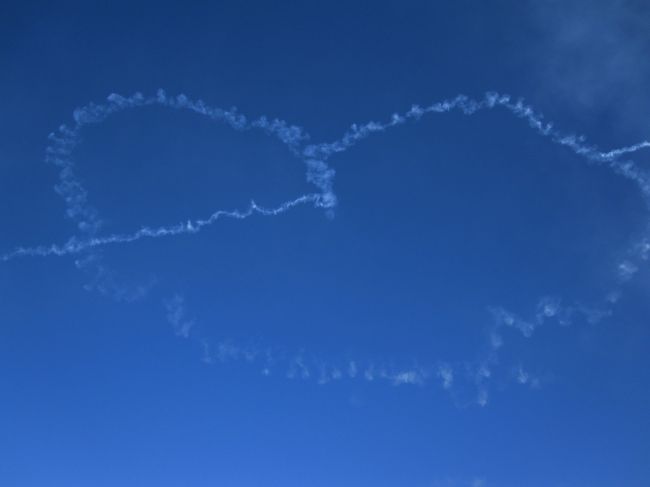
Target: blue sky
[414,254]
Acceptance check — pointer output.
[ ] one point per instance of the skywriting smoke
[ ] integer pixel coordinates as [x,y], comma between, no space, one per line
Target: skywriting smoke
[63,142]
[315,156]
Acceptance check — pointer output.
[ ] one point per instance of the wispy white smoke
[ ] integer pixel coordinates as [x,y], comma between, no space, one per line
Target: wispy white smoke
[490,101]
[63,142]
[592,57]
[303,366]
[315,156]
[548,308]
[60,152]
[446,374]
[177,316]
[77,245]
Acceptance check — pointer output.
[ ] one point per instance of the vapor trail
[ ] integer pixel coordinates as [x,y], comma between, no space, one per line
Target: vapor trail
[63,142]
[75,246]
[315,156]
[492,100]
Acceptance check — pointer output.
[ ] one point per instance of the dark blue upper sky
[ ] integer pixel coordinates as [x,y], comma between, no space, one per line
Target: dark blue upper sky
[471,312]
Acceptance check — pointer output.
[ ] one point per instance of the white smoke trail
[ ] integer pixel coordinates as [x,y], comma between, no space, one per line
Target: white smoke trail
[304,366]
[66,139]
[75,246]
[492,100]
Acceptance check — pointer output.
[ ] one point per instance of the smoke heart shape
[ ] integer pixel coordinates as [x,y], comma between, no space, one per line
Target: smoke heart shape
[315,157]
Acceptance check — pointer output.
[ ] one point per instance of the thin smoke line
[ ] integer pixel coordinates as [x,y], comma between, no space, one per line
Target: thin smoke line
[492,100]
[75,246]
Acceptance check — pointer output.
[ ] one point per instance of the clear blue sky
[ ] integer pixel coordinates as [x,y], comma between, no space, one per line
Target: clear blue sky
[463,303]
